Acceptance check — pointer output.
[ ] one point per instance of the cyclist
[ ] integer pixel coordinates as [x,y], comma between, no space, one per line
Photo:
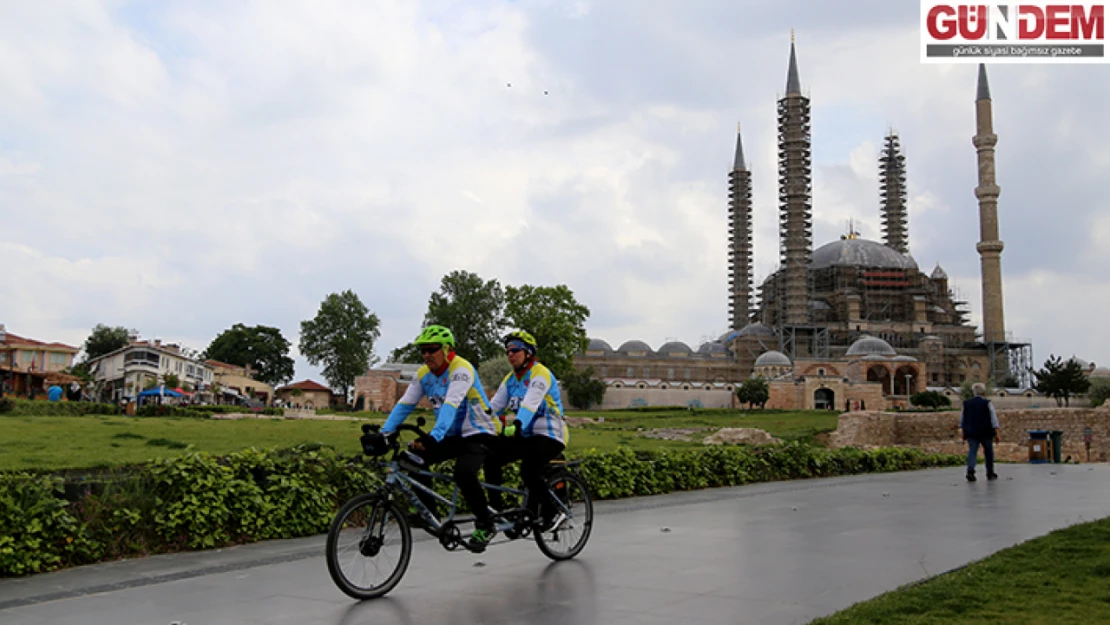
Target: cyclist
[532,393]
[463,430]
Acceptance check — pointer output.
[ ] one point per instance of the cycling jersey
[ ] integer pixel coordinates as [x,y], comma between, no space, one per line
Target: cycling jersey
[534,397]
[457,397]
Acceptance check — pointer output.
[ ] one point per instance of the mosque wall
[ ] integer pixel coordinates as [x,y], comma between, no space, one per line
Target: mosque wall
[617,398]
[937,432]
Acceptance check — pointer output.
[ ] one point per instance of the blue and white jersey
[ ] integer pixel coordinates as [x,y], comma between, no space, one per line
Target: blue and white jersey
[534,397]
[457,397]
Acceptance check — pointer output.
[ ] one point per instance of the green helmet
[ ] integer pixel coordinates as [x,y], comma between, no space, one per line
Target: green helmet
[524,337]
[435,335]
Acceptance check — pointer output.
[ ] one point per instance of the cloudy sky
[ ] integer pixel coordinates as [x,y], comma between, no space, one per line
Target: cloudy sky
[180,167]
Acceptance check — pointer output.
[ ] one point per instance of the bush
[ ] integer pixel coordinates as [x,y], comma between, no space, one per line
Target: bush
[43,408]
[198,501]
[1098,393]
[930,399]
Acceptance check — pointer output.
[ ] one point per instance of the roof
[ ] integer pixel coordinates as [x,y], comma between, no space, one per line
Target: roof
[675,346]
[938,273]
[738,162]
[217,363]
[634,346]
[307,385]
[772,358]
[793,84]
[598,344]
[756,329]
[14,340]
[983,91]
[712,347]
[871,346]
[859,253]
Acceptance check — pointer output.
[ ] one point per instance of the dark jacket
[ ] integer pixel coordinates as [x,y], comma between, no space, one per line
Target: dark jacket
[977,418]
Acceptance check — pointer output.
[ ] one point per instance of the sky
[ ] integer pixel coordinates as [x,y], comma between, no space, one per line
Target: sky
[180,167]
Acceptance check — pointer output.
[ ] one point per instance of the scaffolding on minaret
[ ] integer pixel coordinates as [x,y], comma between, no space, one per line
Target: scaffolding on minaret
[739,239]
[795,187]
[892,191]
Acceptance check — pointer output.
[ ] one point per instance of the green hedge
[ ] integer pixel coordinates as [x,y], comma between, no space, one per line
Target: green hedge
[44,408]
[198,501]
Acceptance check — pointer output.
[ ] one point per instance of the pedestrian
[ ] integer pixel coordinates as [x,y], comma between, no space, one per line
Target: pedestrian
[54,393]
[979,424]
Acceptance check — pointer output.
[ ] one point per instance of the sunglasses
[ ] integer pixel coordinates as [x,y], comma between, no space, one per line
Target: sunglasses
[430,349]
[513,350]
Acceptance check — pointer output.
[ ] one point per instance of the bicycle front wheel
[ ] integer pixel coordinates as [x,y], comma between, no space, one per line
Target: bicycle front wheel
[574,515]
[369,547]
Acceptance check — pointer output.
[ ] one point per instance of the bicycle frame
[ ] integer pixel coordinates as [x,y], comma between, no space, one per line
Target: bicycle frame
[399,480]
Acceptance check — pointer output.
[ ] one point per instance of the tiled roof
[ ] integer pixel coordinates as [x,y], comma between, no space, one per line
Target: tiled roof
[14,340]
[307,385]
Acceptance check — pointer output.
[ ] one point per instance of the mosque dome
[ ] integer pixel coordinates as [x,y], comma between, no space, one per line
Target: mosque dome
[859,253]
[772,359]
[675,347]
[711,347]
[635,346]
[599,345]
[871,346]
[727,337]
[904,359]
[756,329]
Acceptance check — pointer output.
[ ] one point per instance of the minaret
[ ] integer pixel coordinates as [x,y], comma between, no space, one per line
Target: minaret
[989,246]
[795,175]
[892,190]
[740,239]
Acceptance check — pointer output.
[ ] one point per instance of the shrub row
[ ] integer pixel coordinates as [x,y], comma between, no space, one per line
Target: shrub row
[198,501]
[43,408]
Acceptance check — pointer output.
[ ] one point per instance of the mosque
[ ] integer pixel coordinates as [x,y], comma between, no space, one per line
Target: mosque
[851,324]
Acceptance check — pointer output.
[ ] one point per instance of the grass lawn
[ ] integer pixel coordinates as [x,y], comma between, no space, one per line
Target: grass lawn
[1063,577]
[56,443]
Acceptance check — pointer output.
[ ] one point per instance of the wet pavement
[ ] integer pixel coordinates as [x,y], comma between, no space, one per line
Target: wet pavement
[774,553]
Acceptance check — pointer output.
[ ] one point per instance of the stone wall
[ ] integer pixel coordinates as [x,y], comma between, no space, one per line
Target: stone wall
[380,390]
[632,397]
[938,431]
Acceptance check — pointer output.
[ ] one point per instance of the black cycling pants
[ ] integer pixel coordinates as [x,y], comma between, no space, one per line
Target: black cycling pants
[534,452]
[469,453]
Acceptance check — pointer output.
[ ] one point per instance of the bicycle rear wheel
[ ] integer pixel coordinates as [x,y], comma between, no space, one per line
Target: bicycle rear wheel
[369,547]
[572,500]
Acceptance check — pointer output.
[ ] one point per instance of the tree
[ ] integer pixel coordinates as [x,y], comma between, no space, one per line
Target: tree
[1061,380]
[105,340]
[341,337]
[930,399]
[753,391]
[555,318]
[171,380]
[492,372]
[1099,392]
[262,348]
[471,308]
[966,392]
[583,389]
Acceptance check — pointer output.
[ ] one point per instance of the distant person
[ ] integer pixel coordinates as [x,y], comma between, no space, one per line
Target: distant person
[980,427]
[54,393]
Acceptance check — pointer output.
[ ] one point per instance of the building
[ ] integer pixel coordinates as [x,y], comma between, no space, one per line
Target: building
[309,395]
[236,384]
[27,364]
[852,320]
[380,388]
[144,364]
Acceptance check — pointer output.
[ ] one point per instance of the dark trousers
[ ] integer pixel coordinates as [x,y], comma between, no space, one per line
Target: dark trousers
[534,452]
[973,451]
[469,454]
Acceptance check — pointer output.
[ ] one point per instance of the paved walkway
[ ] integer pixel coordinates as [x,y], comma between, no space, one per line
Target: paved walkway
[767,553]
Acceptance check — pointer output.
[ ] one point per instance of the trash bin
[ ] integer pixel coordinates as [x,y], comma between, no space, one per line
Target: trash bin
[1038,446]
[1057,438]
[130,410]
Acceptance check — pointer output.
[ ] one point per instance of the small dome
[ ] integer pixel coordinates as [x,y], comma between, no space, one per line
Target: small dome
[635,346]
[931,337]
[817,304]
[675,347]
[904,358]
[727,337]
[756,329]
[711,347]
[871,345]
[599,345]
[938,273]
[772,359]
[859,253]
